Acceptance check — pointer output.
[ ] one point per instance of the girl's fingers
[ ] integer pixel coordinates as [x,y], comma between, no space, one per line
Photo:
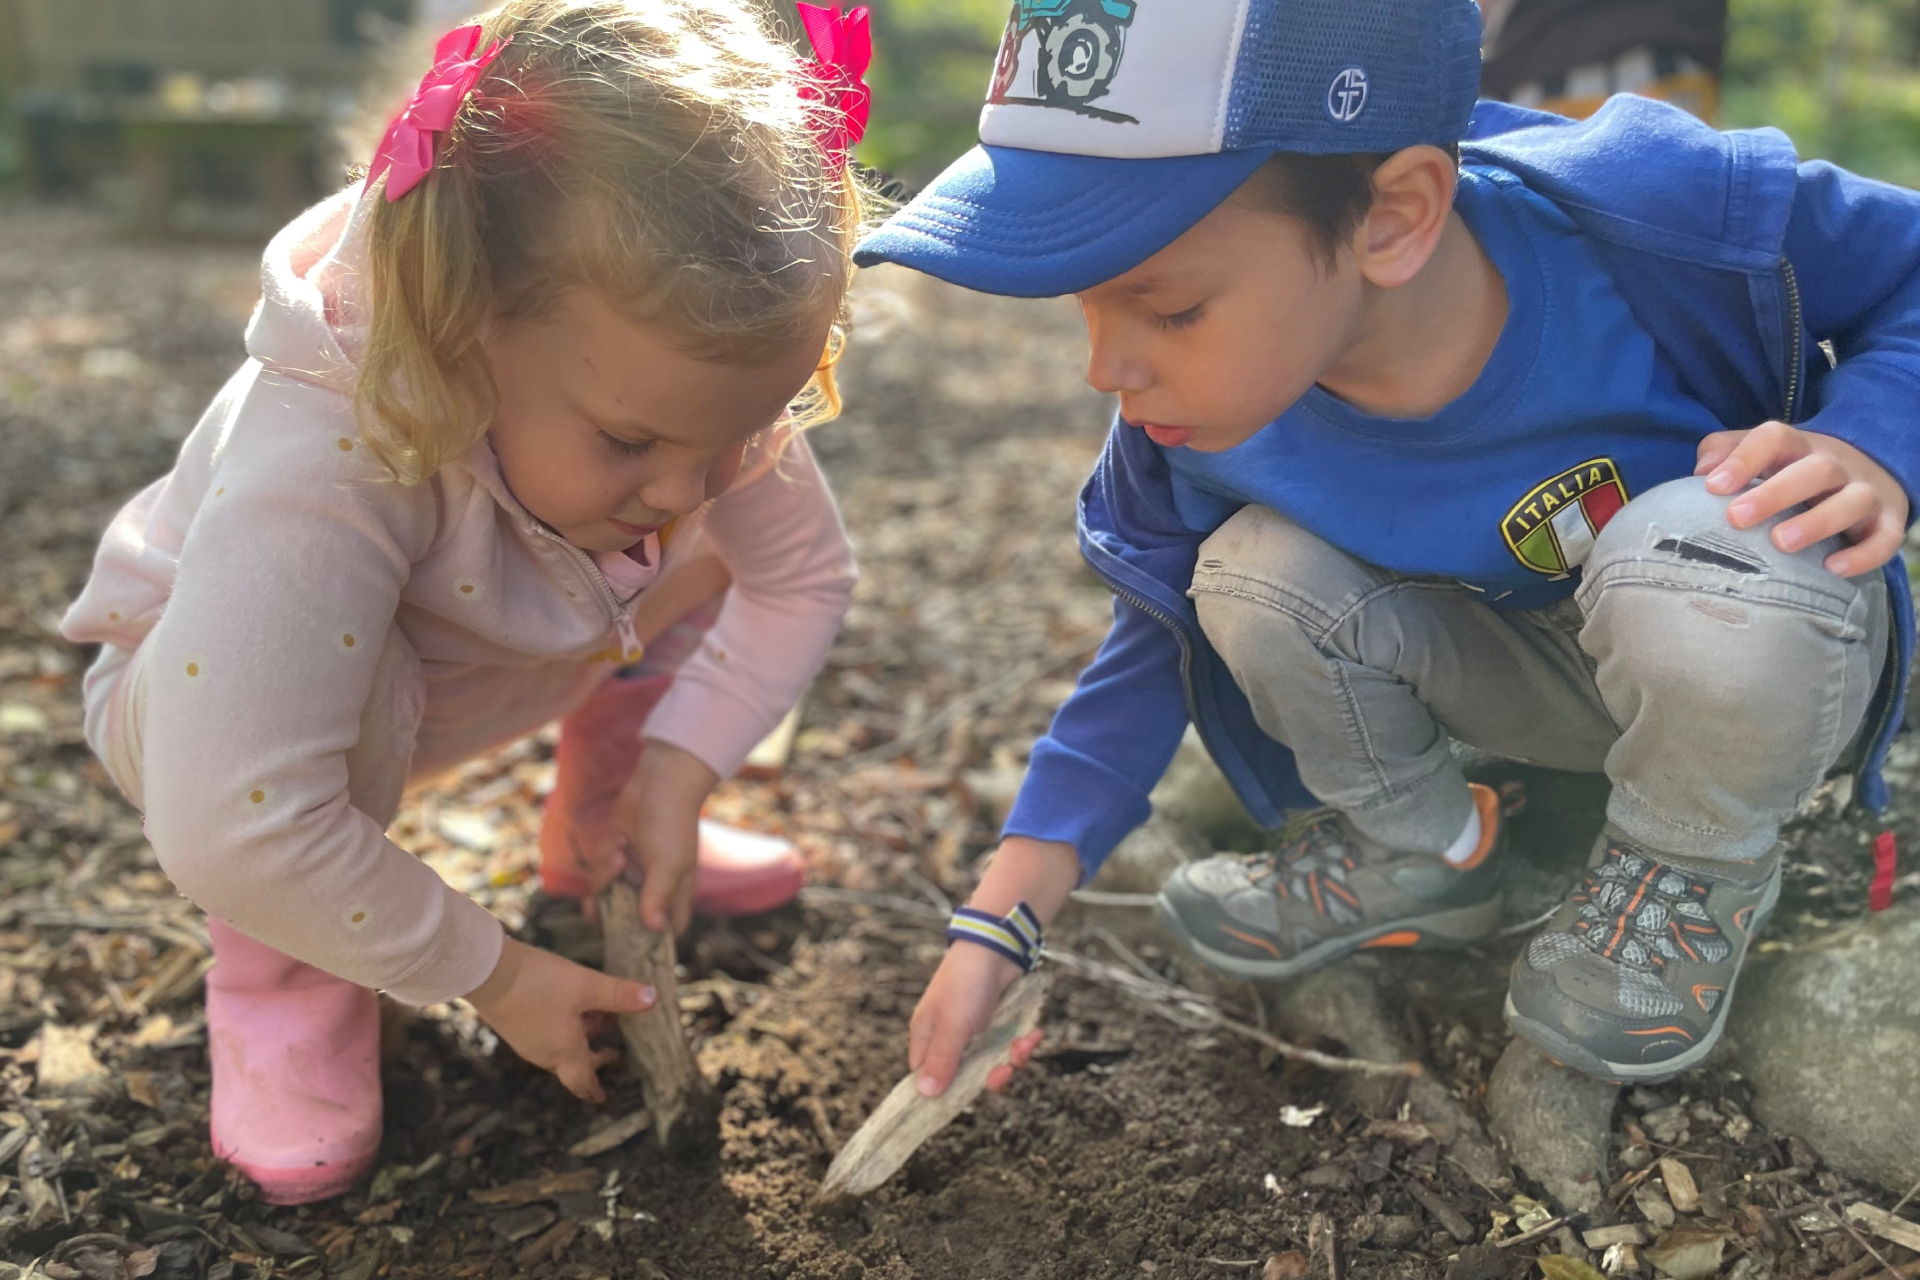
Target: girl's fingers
[577,1073]
[1764,449]
[608,994]
[1800,481]
[605,1058]
[1023,1048]
[1852,507]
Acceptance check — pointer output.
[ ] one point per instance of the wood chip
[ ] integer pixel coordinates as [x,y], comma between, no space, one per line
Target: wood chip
[1443,1213]
[605,1139]
[1681,1188]
[67,1064]
[905,1119]
[544,1187]
[548,1247]
[1607,1237]
[1884,1224]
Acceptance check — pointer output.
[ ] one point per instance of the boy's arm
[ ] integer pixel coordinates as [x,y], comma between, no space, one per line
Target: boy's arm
[1088,779]
[1855,247]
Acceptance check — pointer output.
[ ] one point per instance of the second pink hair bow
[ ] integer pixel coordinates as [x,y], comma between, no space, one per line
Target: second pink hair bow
[405,154]
[842,50]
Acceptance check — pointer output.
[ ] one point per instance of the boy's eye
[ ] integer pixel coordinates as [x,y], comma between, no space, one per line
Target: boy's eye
[1180,319]
[627,448]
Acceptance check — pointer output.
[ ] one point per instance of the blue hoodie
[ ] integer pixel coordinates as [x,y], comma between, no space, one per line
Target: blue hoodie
[1736,259]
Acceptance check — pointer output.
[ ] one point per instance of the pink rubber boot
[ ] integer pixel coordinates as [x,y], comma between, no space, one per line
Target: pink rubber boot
[296,1070]
[739,873]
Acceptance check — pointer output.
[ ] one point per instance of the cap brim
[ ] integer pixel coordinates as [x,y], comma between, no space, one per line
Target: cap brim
[1037,224]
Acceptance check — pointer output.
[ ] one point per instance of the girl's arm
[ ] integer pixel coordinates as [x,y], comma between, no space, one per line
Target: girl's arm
[257,675]
[779,533]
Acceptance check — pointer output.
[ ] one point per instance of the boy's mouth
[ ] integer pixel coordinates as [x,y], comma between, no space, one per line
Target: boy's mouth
[1167,437]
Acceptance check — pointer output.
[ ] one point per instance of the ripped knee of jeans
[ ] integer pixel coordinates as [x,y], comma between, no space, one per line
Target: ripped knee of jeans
[1705,549]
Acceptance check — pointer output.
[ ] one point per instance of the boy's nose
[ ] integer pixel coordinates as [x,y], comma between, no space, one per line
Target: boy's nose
[1113,372]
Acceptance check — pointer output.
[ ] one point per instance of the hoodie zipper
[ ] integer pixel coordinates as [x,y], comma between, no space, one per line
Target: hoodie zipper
[631,650]
[1795,340]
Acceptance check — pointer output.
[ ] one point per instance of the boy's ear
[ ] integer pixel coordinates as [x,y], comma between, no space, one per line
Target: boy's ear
[1412,196]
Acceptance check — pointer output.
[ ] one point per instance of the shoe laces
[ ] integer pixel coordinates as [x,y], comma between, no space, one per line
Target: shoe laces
[1643,913]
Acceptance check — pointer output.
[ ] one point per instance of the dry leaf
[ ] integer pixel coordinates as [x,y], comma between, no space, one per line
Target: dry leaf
[1687,1255]
[1291,1265]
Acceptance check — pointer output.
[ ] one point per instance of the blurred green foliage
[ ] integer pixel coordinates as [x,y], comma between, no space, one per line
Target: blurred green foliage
[1842,77]
[931,63]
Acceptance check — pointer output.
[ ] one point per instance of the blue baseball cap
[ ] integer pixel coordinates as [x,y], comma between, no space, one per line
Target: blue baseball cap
[1112,126]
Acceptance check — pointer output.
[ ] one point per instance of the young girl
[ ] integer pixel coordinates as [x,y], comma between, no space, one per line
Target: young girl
[508,409]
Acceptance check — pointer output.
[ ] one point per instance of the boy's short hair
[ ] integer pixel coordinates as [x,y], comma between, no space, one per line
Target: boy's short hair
[1329,195]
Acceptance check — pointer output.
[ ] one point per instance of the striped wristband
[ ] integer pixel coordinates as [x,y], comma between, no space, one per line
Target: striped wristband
[1015,936]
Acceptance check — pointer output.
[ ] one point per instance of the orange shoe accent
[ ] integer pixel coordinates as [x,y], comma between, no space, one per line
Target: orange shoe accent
[1742,918]
[1699,998]
[1662,1031]
[1404,938]
[1487,801]
[1250,940]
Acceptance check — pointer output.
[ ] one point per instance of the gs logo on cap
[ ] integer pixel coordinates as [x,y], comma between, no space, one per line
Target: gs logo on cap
[1347,95]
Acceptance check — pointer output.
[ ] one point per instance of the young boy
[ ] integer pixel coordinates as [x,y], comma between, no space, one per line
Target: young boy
[1413,448]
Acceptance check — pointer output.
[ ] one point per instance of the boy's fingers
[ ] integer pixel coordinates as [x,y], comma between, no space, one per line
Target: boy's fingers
[1760,451]
[919,1035]
[1869,554]
[942,1060]
[1851,508]
[1000,1077]
[1714,450]
[1799,481]
[1023,1048]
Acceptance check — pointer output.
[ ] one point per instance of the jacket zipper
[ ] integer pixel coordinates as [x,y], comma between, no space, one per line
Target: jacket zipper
[631,650]
[1795,341]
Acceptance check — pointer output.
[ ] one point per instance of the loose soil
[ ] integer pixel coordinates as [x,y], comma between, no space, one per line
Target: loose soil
[1135,1147]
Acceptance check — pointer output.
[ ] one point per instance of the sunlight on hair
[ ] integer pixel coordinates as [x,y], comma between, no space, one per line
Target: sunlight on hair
[659,153]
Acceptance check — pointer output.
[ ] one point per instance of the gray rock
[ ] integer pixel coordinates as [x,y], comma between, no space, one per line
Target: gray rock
[1396,1230]
[1346,1002]
[1195,792]
[1556,1124]
[1151,853]
[1830,1036]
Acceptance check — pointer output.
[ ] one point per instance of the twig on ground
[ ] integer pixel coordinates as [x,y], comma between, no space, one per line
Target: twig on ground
[1443,1213]
[1184,1007]
[1529,1236]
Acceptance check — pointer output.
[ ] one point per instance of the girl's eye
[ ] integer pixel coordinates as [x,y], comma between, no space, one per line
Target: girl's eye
[626,448]
[1179,320]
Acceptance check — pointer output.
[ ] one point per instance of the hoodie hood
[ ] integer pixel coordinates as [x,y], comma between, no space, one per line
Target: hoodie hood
[312,318]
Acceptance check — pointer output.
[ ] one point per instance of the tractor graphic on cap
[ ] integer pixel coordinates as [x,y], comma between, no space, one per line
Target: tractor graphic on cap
[1080,46]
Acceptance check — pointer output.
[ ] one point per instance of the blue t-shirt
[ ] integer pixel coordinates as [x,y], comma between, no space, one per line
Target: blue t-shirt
[1505,488]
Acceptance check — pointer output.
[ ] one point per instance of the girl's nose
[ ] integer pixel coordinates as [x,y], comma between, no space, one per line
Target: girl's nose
[678,493]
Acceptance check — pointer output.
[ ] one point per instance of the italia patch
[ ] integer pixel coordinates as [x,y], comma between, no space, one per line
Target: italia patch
[1552,529]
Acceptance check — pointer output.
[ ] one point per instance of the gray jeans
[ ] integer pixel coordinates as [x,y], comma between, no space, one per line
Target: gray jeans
[1715,678]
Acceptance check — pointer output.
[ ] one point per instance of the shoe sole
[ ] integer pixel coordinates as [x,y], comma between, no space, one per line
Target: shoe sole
[1443,930]
[1569,1053]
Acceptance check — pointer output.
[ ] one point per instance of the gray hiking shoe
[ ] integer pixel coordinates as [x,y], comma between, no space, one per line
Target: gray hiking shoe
[1329,891]
[1632,978]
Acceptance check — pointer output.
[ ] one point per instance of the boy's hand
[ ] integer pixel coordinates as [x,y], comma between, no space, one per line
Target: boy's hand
[958,1004]
[657,819]
[538,1003]
[1847,492]
[965,991]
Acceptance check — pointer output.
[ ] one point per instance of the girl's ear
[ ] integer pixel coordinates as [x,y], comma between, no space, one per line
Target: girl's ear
[1412,196]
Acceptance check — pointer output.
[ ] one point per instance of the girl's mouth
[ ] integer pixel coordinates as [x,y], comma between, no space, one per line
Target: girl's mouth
[634,531]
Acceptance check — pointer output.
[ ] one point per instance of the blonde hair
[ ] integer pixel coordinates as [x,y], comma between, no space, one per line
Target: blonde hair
[658,152]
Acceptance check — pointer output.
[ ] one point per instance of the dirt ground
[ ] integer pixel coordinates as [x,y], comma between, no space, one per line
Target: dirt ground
[1138,1146]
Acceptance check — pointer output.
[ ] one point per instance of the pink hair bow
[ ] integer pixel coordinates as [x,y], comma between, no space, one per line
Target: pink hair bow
[406,152]
[842,49]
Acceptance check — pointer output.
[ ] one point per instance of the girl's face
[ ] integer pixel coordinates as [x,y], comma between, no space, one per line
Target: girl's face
[606,431]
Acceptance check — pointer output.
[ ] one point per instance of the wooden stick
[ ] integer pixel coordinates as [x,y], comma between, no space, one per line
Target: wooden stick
[904,1120]
[685,1110]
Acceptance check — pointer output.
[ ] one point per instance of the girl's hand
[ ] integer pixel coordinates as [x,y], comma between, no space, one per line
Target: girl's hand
[1847,492]
[538,1003]
[958,1004]
[658,818]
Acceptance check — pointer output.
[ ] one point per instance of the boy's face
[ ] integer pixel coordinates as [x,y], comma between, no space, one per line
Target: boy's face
[1222,331]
